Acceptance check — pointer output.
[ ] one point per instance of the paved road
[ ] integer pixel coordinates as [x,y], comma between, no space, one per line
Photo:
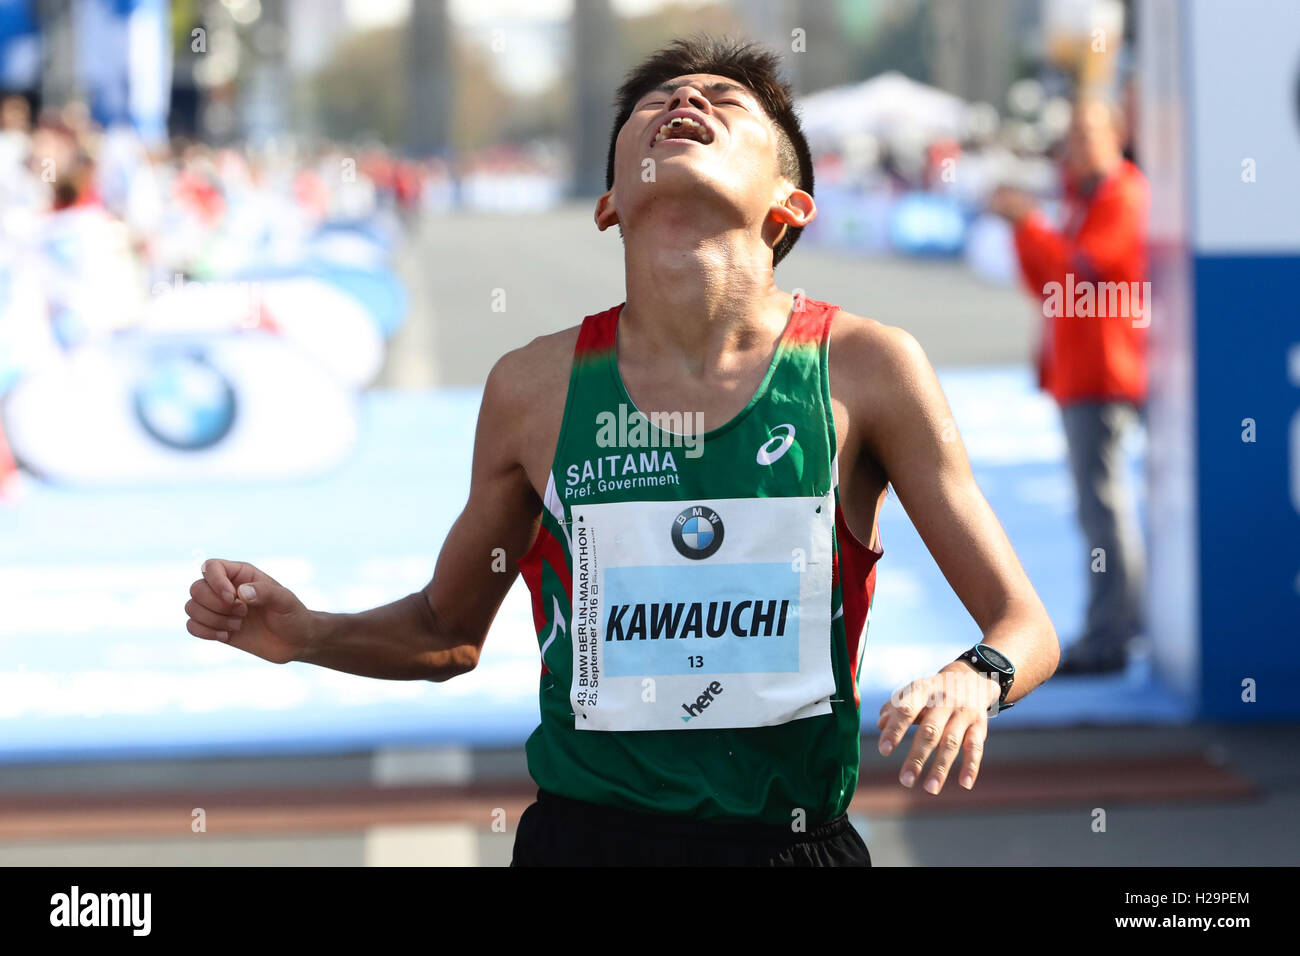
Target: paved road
[437,806]
[483,283]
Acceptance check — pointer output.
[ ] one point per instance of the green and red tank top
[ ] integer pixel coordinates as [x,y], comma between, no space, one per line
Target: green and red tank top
[700,602]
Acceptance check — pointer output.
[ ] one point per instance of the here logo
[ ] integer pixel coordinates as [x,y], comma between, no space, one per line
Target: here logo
[701,702]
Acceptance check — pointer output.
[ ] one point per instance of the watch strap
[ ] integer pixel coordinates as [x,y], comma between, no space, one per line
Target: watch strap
[977,662]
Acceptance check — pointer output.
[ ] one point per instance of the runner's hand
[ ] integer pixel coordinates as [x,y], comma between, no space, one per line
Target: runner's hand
[950,710]
[237,604]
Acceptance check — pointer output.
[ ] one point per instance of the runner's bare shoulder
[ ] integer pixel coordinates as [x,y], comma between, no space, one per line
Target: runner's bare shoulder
[876,354]
[885,381]
[526,390]
[536,373]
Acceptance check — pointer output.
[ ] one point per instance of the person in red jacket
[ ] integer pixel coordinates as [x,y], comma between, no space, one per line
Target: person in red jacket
[1091,276]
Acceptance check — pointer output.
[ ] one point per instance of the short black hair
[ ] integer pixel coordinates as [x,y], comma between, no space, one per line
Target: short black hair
[751,64]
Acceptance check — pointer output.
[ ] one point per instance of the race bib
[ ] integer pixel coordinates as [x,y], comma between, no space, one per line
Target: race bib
[701,615]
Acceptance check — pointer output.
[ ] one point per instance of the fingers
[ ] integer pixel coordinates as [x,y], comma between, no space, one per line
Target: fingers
[945,734]
[945,755]
[214,572]
[203,595]
[929,729]
[899,713]
[207,633]
[213,611]
[947,728]
[219,576]
[268,594]
[212,619]
[973,752]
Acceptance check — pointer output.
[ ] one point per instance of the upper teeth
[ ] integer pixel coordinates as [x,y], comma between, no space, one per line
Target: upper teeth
[678,121]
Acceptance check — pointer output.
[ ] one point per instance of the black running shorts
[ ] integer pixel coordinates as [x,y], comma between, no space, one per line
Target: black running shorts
[558,831]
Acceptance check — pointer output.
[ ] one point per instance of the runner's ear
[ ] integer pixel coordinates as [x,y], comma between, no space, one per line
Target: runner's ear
[797,209]
[606,215]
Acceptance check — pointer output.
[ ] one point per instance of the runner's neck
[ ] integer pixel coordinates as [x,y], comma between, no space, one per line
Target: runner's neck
[697,292]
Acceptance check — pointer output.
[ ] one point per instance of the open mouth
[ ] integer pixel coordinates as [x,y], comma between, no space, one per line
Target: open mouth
[683,127]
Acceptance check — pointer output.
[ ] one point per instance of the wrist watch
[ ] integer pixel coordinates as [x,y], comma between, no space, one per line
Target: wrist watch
[989,660]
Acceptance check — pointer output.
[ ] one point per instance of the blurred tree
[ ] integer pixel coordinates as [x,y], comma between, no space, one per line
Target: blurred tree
[361,93]
[186,15]
[901,41]
[640,36]
[482,107]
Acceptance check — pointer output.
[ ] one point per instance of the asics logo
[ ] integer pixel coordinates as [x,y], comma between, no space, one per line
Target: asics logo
[777,445]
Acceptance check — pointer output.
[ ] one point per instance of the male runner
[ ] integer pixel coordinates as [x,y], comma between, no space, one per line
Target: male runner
[700,593]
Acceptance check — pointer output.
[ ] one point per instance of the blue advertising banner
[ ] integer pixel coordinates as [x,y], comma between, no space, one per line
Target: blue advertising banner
[1221,143]
[124,59]
[20,45]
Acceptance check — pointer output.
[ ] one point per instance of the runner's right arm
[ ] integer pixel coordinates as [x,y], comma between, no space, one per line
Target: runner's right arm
[432,634]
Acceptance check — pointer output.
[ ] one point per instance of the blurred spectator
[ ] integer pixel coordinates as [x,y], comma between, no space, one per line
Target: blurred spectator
[1092,359]
[15,126]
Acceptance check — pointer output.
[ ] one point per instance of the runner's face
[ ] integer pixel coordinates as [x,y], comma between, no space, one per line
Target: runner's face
[726,147]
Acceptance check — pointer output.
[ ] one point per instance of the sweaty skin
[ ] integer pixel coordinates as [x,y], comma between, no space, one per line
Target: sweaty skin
[699,329]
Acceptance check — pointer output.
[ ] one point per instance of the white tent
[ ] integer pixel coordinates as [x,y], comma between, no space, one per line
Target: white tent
[884,106]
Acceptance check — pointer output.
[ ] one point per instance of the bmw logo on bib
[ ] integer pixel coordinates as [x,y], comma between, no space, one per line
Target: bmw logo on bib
[697,532]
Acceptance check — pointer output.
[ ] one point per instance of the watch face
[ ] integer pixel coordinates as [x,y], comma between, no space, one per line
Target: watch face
[994,658]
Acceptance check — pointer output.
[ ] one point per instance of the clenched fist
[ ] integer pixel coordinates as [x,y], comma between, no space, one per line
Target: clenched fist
[239,605]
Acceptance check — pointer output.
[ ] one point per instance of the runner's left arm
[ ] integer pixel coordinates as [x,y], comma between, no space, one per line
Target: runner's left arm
[909,430]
